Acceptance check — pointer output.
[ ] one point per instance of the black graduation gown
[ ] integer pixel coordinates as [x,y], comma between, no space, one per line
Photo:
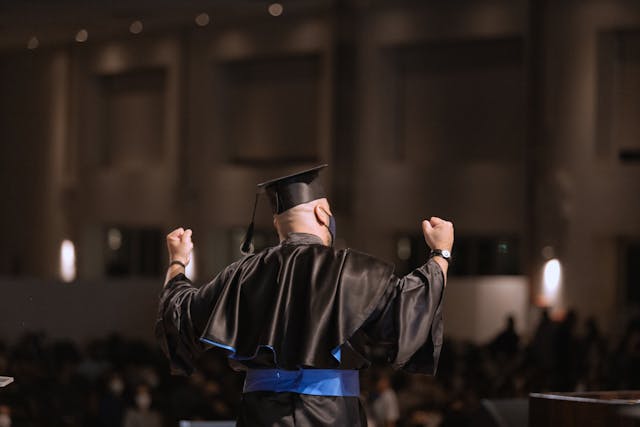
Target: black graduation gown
[293,306]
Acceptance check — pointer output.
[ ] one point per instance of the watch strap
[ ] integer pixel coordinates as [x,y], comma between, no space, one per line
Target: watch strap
[446,255]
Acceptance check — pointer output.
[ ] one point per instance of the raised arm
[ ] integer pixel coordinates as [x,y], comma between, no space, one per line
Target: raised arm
[438,234]
[183,309]
[407,325]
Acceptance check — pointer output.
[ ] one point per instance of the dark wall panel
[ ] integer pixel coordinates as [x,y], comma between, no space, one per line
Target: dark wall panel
[270,109]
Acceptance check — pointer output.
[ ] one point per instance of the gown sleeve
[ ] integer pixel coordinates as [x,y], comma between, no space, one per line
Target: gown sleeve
[407,325]
[182,316]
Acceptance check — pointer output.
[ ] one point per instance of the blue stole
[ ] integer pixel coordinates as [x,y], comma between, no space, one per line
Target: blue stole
[317,382]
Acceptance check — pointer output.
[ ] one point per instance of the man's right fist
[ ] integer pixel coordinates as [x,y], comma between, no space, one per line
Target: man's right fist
[438,233]
[180,245]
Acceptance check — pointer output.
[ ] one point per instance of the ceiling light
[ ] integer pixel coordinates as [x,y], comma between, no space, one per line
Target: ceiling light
[82,36]
[136,27]
[202,20]
[33,43]
[275,9]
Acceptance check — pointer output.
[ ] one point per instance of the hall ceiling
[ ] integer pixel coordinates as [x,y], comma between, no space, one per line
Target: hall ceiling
[55,22]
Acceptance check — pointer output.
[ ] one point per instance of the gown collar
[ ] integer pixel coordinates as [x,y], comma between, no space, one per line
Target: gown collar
[302,239]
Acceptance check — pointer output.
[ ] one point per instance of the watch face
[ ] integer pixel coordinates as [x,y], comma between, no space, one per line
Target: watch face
[446,253]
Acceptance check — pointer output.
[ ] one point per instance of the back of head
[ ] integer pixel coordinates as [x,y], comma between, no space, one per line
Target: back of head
[312,218]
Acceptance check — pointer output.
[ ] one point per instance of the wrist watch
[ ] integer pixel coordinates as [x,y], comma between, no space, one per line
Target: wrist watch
[441,253]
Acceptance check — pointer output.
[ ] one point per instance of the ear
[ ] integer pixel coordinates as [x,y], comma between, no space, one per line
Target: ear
[321,215]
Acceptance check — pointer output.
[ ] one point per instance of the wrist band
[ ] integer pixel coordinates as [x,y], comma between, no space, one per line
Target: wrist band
[442,253]
[180,263]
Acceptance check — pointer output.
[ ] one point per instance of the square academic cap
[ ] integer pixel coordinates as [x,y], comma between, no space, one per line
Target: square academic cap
[285,193]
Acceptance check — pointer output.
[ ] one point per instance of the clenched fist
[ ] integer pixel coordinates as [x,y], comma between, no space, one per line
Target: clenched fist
[438,233]
[180,245]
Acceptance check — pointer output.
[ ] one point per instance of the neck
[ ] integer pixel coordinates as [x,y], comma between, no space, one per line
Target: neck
[303,219]
[320,233]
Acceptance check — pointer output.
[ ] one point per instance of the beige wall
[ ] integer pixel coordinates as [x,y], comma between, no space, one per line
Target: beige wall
[81,311]
[593,196]
[420,108]
[476,309]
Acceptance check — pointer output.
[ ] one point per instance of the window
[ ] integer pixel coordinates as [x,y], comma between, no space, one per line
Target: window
[472,255]
[630,270]
[134,252]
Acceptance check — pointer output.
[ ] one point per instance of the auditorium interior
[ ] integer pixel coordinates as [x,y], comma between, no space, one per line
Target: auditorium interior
[517,120]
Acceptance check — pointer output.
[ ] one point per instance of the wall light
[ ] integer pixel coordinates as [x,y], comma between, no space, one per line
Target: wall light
[403,248]
[136,27]
[190,271]
[551,280]
[114,239]
[82,36]
[202,20]
[67,261]
[33,43]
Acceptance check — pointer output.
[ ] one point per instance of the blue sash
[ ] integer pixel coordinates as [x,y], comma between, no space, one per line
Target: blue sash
[318,382]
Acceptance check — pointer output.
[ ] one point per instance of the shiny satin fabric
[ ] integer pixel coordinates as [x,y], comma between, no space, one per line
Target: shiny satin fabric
[301,301]
[317,382]
[290,307]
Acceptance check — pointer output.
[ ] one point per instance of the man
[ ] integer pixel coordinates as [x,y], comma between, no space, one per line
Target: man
[384,408]
[296,317]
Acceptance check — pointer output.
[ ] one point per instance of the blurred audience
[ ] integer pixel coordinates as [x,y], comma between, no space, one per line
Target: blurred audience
[384,402]
[141,415]
[505,345]
[5,416]
[116,382]
[112,403]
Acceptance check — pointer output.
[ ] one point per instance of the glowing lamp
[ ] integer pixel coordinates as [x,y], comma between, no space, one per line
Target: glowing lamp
[67,261]
[190,271]
[551,279]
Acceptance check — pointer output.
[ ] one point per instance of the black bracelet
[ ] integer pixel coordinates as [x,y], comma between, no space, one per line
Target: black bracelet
[180,263]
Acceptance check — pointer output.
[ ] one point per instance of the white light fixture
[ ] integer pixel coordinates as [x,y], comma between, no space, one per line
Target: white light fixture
[275,9]
[33,43]
[403,248]
[82,36]
[67,261]
[136,27]
[190,271]
[202,20]
[114,239]
[551,281]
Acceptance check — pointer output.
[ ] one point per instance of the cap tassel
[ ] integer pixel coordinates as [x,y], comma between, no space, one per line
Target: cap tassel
[247,244]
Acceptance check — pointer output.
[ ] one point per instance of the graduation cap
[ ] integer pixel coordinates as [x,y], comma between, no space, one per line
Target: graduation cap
[285,193]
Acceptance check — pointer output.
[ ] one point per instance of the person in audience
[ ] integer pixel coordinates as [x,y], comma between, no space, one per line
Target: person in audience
[566,355]
[112,404]
[505,344]
[5,416]
[141,414]
[384,407]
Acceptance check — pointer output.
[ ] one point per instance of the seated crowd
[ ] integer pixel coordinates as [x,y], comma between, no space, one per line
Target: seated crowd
[116,382]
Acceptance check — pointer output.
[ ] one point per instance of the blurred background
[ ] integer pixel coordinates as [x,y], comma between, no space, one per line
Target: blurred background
[121,120]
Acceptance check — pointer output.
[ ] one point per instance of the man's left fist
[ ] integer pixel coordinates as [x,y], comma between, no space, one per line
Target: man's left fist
[180,245]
